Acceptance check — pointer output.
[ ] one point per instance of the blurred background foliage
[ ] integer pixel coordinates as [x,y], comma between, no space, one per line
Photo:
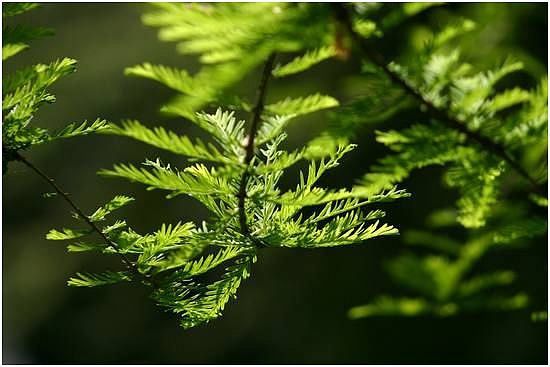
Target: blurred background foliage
[293,310]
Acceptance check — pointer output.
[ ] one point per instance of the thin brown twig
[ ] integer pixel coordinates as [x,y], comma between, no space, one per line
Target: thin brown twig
[249,145]
[453,122]
[77,210]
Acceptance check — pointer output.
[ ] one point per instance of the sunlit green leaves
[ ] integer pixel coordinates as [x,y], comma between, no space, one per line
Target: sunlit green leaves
[194,180]
[66,234]
[116,203]
[199,303]
[305,61]
[225,128]
[79,129]
[168,140]
[237,175]
[87,246]
[27,89]
[177,262]
[98,279]
[302,105]
[12,49]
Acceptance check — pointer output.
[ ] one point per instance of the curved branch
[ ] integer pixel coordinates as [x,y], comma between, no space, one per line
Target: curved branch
[452,122]
[249,145]
[78,211]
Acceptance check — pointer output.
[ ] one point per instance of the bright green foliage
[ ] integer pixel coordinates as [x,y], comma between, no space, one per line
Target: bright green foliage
[173,259]
[194,270]
[301,106]
[183,263]
[94,280]
[305,61]
[161,138]
[66,234]
[25,90]
[231,39]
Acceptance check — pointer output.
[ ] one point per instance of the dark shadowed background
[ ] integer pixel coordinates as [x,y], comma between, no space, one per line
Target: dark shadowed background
[293,308]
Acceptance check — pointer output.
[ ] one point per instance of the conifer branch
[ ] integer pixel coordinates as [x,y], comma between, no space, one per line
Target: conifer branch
[452,122]
[249,144]
[75,207]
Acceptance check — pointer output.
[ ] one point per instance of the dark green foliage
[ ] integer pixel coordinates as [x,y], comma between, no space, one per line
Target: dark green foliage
[443,283]
[474,171]
[478,131]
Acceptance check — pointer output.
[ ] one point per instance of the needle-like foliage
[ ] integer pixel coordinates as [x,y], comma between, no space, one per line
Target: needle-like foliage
[444,282]
[491,141]
[195,269]
[232,39]
[513,118]
[174,259]
[26,89]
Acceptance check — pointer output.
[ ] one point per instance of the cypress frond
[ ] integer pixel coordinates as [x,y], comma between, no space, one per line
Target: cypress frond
[173,260]
[98,279]
[165,139]
[302,105]
[26,90]
[305,61]
[476,132]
